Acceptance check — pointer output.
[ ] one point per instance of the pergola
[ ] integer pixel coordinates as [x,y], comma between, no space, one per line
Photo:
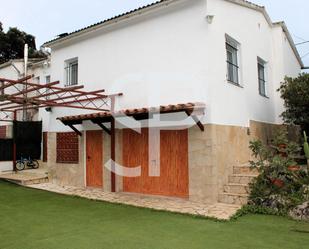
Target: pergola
[25,95]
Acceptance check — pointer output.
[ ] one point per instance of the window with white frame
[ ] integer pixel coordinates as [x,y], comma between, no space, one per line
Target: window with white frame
[47,79]
[261,65]
[232,48]
[71,72]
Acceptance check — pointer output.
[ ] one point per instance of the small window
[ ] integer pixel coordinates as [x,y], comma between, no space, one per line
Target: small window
[47,79]
[48,91]
[232,61]
[262,77]
[67,148]
[71,71]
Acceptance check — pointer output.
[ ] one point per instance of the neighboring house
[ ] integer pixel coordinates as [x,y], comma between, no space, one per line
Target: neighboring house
[226,54]
[14,69]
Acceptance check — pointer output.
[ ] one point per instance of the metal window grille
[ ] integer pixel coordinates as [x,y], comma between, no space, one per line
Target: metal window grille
[72,73]
[262,81]
[67,148]
[232,64]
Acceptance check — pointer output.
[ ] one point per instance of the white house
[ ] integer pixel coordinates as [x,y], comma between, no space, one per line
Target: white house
[226,54]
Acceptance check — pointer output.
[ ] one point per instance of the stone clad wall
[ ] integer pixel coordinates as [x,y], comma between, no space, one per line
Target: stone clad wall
[65,174]
[107,157]
[213,153]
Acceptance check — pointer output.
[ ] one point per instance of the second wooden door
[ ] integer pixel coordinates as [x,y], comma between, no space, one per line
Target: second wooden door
[94,158]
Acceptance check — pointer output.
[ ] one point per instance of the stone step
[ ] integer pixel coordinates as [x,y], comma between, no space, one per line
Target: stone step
[35,181]
[235,199]
[236,188]
[28,182]
[26,177]
[245,170]
[241,179]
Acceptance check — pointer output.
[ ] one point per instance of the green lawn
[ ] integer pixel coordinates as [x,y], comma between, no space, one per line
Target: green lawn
[32,219]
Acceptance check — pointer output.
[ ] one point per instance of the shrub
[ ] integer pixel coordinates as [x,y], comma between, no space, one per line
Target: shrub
[295,93]
[281,184]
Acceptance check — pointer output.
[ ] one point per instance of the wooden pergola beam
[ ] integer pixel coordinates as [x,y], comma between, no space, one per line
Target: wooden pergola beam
[13,82]
[70,97]
[35,88]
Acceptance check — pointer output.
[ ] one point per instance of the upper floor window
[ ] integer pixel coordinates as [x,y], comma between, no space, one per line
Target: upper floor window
[71,72]
[47,79]
[261,64]
[232,52]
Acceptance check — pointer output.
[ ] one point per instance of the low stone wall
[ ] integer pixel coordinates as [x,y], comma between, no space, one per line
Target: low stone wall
[214,153]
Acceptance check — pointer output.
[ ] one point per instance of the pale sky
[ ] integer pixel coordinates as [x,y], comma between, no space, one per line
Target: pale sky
[45,19]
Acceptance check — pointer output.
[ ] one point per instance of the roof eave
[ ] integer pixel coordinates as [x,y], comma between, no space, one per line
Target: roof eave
[104,24]
[291,41]
[262,9]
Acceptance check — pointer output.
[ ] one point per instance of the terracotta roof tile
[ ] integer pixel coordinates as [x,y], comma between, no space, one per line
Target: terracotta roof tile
[189,107]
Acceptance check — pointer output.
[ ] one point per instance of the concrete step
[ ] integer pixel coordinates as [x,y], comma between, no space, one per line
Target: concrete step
[241,179]
[28,182]
[237,188]
[25,178]
[245,170]
[35,181]
[235,199]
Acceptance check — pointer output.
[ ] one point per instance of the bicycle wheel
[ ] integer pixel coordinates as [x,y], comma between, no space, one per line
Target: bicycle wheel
[20,165]
[35,164]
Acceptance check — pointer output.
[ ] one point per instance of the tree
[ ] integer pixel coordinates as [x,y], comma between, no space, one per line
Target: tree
[295,92]
[12,45]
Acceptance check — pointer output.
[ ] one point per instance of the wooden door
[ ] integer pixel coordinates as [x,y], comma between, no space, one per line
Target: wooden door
[94,158]
[174,173]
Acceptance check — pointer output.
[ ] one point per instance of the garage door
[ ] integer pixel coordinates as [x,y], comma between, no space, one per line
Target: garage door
[173,180]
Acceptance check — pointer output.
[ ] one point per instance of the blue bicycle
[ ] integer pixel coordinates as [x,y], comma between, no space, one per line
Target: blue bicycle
[23,162]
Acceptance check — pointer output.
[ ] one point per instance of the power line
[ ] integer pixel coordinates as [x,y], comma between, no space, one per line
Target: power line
[298,37]
[297,44]
[305,55]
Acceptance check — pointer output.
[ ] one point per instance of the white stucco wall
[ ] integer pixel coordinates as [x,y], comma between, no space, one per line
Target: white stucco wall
[173,55]
[16,72]
[6,166]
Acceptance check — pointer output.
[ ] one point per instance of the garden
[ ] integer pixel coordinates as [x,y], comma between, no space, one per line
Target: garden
[282,186]
[34,219]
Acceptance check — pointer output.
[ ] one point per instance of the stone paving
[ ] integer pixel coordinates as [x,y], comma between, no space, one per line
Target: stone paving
[219,210]
[26,177]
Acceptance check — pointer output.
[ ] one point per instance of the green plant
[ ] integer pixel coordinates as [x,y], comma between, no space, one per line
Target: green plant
[306,146]
[295,93]
[277,186]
